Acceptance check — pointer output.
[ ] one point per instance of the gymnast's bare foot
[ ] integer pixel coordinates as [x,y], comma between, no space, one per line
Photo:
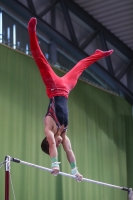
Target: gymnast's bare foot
[32,24]
[105,53]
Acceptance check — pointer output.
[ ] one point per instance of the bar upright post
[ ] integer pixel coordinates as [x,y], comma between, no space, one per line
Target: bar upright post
[7,176]
[130,194]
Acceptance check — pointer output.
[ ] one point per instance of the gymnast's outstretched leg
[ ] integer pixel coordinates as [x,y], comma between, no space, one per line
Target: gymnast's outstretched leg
[48,75]
[70,79]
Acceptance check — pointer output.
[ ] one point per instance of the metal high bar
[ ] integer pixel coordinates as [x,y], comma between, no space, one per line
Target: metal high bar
[9,158]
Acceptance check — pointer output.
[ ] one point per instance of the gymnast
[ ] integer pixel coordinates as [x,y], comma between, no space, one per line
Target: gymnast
[58,89]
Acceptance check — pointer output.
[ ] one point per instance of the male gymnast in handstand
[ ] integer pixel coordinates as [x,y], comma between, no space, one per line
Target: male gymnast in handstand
[58,89]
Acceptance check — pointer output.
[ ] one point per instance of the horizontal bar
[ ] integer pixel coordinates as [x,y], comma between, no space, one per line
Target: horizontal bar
[69,175]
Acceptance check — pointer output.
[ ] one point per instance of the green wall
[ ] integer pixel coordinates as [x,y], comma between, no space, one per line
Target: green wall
[100,130]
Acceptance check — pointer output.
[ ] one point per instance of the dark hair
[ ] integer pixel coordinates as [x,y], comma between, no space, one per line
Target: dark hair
[45,146]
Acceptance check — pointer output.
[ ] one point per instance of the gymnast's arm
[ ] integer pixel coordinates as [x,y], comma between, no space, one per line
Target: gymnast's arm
[48,122]
[68,149]
[71,158]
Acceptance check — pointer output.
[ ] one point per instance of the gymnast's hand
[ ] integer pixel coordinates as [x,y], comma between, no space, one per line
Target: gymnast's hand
[55,171]
[78,176]
[55,168]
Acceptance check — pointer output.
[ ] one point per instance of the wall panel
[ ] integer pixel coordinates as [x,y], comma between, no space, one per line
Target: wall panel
[97,130]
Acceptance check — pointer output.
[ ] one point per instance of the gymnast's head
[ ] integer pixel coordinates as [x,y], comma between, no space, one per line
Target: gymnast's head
[45,144]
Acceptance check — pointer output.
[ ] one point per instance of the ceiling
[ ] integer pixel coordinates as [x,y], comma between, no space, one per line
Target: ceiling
[79,27]
[116,16]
